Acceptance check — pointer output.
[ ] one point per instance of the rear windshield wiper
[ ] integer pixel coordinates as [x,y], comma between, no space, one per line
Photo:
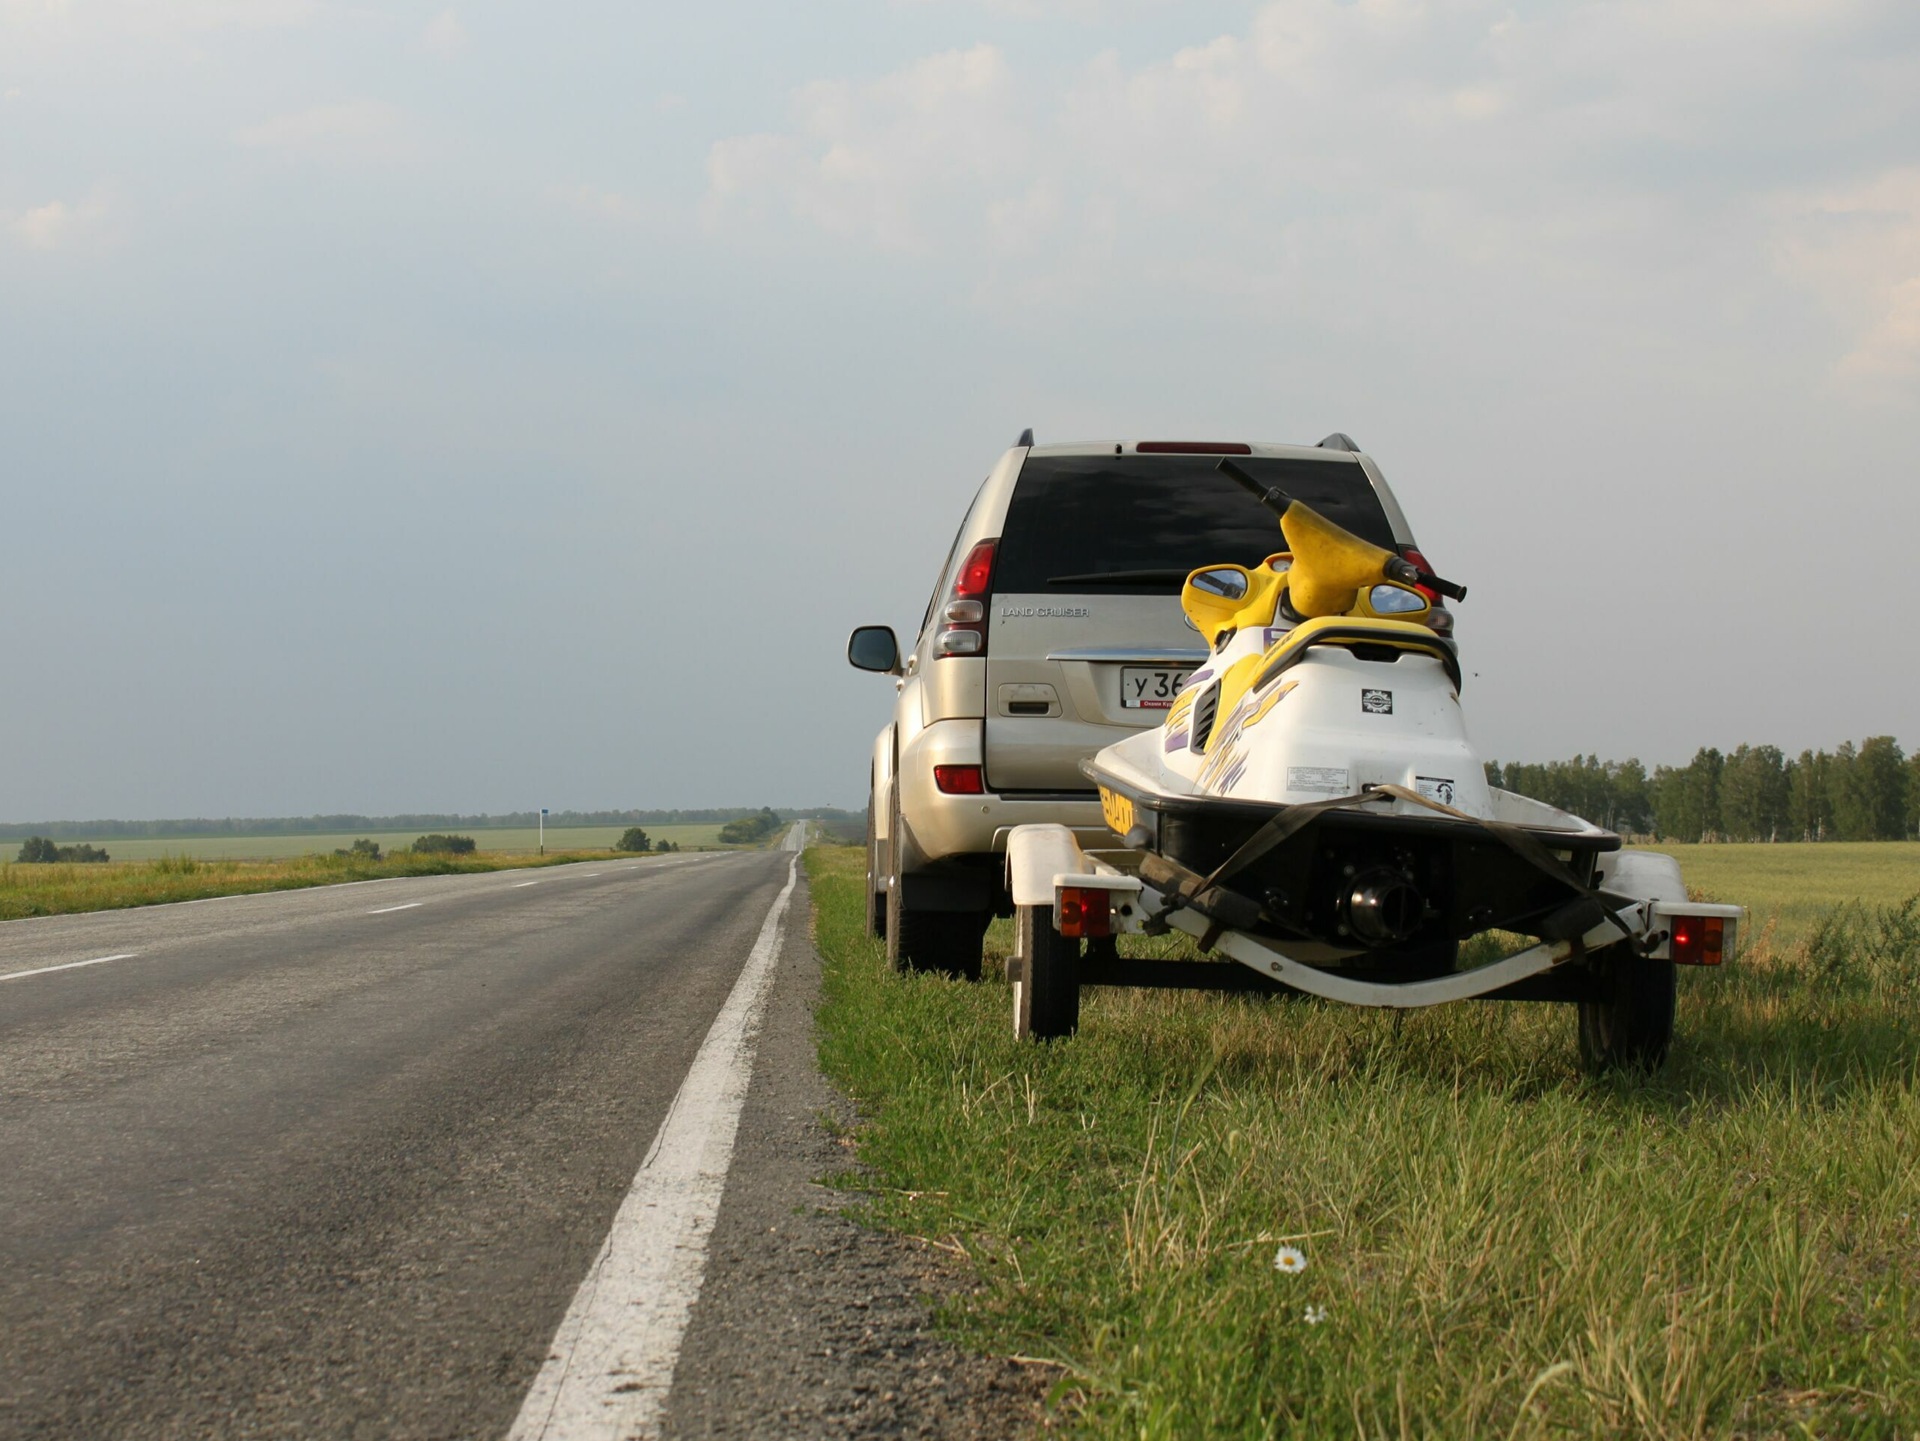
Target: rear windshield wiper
[1120,577]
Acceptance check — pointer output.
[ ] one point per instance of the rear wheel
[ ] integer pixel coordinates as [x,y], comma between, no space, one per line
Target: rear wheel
[876,894]
[1046,997]
[1629,1026]
[947,943]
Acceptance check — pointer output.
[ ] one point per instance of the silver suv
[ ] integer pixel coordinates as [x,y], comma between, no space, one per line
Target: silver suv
[1055,629]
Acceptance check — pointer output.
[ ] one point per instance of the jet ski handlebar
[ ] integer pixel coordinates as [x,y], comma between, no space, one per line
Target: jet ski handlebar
[1406,572]
[1397,567]
[1271,496]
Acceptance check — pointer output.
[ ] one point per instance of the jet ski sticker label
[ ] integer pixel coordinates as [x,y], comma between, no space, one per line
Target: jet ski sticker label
[1376,702]
[1328,780]
[1434,788]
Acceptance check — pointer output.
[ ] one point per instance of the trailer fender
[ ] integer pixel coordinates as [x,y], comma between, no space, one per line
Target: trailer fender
[1035,855]
[1643,875]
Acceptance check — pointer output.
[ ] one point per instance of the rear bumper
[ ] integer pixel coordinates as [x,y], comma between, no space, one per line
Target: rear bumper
[955,830]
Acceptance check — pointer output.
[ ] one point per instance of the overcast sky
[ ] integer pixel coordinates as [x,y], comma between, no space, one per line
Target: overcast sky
[418,408]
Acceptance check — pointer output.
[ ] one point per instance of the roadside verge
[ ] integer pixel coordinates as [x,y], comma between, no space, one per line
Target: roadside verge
[1230,1216]
[809,1323]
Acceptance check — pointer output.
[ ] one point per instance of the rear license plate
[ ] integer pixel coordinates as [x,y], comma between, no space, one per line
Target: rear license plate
[1150,687]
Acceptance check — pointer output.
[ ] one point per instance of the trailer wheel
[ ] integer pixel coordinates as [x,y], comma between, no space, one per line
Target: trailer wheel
[1629,1026]
[1046,997]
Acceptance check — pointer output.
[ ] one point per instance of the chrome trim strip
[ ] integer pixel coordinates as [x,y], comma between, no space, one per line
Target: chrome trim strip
[1130,655]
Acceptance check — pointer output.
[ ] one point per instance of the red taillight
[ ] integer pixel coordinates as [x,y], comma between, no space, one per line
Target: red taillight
[960,780]
[1083,911]
[1192,447]
[1433,596]
[965,632]
[1698,940]
[975,577]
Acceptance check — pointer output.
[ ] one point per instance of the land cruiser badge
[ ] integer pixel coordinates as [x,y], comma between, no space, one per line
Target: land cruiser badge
[1376,702]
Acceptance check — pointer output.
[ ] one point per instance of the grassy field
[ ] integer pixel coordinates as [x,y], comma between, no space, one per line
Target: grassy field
[58,890]
[1494,1245]
[264,848]
[1793,884]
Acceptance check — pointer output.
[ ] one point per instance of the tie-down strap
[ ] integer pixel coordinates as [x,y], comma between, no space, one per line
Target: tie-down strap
[1594,904]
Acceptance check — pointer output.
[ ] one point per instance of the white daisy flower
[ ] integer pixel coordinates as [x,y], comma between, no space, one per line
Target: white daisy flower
[1290,1260]
[1314,1315]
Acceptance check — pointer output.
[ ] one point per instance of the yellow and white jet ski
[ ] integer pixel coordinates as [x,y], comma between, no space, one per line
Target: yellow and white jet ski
[1312,808]
[1316,773]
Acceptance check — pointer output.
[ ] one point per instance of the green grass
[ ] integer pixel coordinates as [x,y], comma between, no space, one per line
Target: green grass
[261,848]
[1793,884]
[58,890]
[1502,1246]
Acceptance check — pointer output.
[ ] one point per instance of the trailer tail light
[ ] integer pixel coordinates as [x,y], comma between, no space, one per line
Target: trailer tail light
[965,614]
[1083,911]
[1698,940]
[960,780]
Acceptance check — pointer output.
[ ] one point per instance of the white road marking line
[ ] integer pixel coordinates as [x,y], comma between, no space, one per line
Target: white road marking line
[589,875]
[389,910]
[522,885]
[68,966]
[611,1362]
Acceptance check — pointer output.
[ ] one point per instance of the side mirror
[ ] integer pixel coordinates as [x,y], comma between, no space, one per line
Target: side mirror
[875,648]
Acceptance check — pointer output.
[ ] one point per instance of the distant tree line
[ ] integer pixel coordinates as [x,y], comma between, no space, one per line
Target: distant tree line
[352,824]
[751,830]
[40,850]
[437,844]
[637,840]
[1868,792]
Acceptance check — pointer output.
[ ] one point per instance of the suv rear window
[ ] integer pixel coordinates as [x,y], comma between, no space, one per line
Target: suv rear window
[1136,525]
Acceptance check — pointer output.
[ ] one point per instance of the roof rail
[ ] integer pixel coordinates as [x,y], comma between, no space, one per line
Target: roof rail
[1339,440]
[1026,437]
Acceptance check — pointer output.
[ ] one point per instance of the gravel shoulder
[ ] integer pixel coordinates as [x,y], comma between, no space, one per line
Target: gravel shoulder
[808,1323]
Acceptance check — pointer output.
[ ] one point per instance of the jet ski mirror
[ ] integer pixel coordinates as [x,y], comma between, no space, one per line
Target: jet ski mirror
[1214,595]
[875,648]
[1229,582]
[1395,600]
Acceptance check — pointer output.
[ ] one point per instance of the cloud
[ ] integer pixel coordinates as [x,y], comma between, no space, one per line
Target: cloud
[885,161]
[1857,248]
[58,226]
[359,130]
[1357,160]
[444,35]
[1892,347]
[601,205]
[148,19]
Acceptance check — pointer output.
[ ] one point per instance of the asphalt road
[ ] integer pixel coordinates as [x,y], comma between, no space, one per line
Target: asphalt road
[333,1162]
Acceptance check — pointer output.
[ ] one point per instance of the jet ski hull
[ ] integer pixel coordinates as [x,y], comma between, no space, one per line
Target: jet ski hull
[1360,879]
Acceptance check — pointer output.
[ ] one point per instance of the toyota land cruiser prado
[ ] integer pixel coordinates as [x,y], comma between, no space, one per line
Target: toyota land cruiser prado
[1055,628]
